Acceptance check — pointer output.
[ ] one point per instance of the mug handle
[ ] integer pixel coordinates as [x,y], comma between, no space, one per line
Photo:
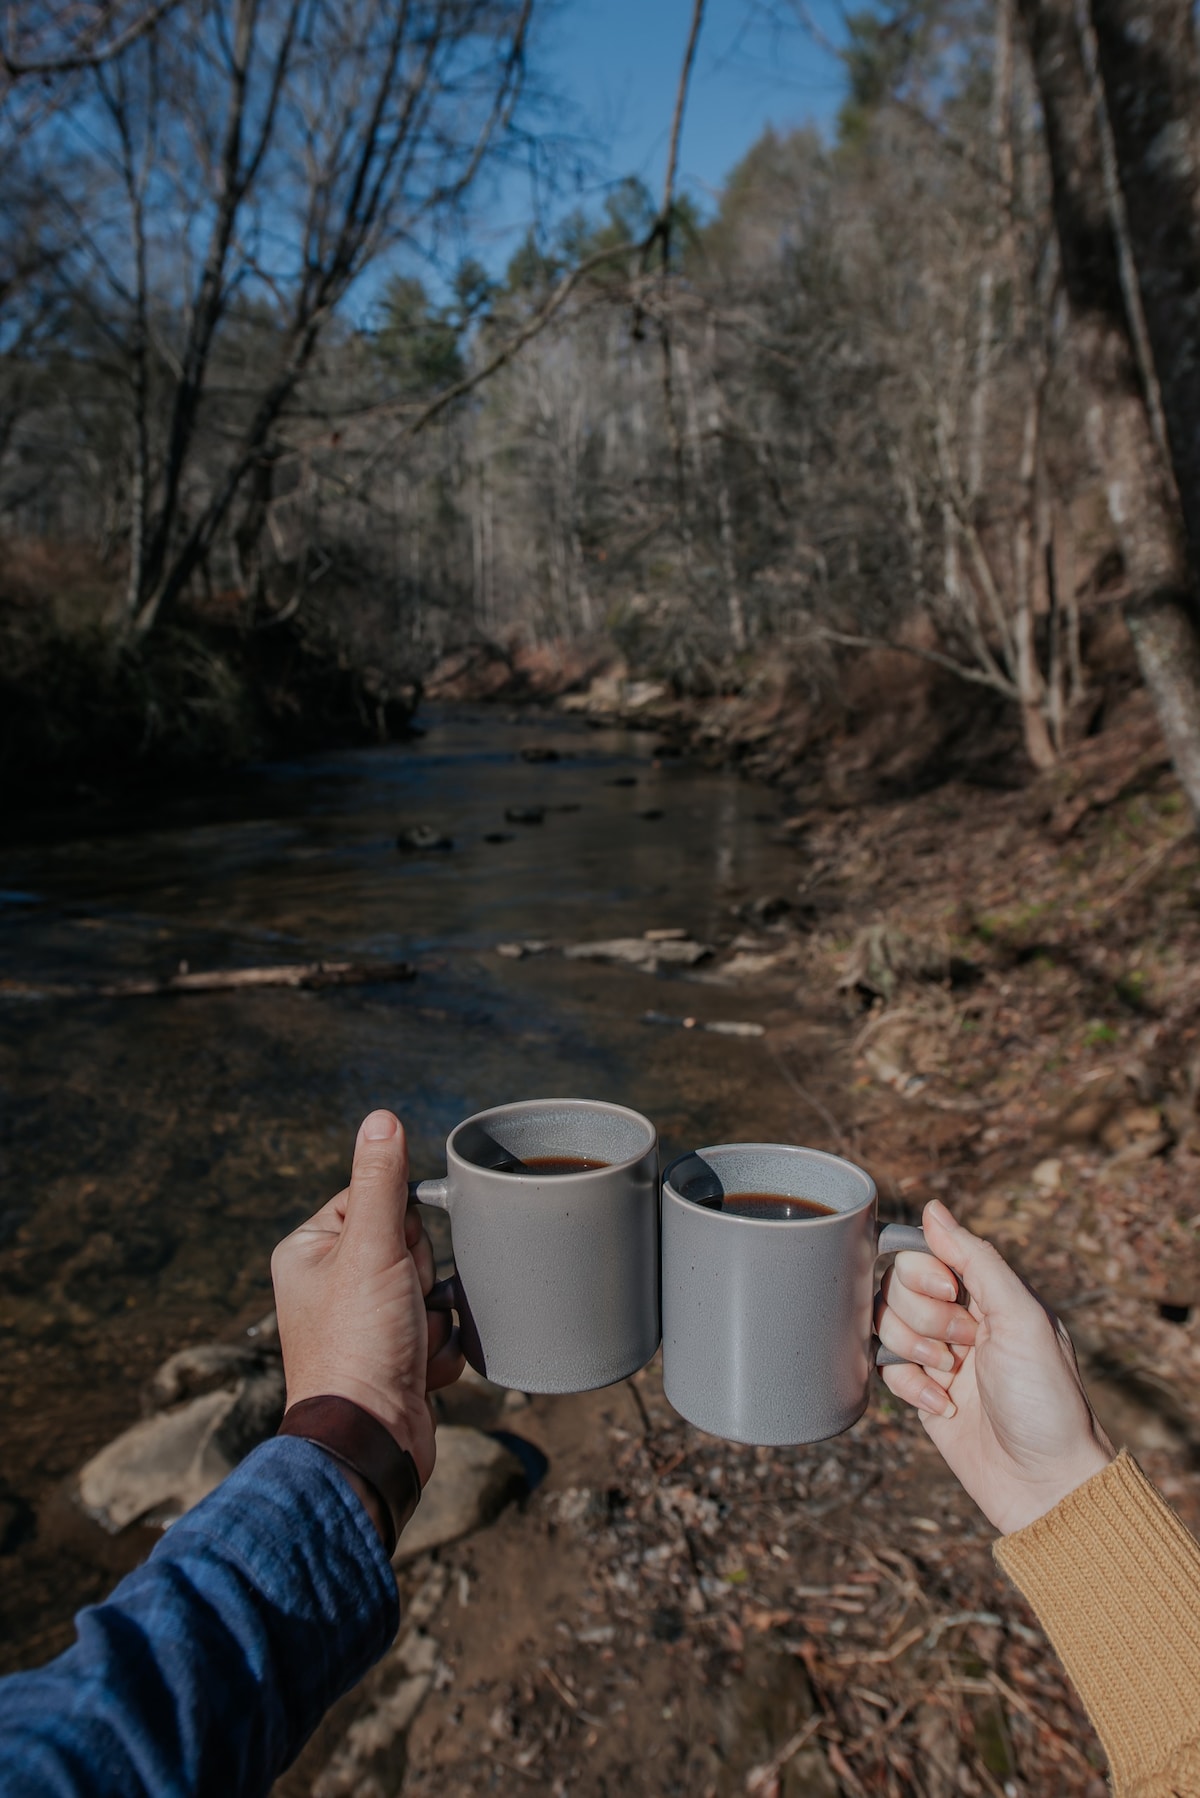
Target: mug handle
[443,1294]
[447,1295]
[890,1240]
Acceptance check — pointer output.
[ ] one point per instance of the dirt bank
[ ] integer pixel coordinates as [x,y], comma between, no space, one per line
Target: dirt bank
[833,727]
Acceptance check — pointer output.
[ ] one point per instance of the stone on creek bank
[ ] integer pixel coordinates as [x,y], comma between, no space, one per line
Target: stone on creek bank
[641,952]
[205,1366]
[167,1463]
[212,1403]
[474,1478]
[612,694]
[752,963]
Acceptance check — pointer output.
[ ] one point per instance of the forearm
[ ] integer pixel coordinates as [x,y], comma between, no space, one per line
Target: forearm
[208,1668]
[1115,1580]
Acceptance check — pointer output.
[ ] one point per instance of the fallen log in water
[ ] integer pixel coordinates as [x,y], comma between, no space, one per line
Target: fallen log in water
[308,974]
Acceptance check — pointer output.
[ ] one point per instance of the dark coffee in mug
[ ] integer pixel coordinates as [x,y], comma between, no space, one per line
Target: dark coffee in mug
[561,1164]
[767,1332]
[779,1206]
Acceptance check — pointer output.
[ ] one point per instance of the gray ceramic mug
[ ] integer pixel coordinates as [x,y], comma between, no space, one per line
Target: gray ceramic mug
[556,1277]
[767,1321]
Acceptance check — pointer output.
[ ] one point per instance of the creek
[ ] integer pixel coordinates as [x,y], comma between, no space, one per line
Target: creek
[155,1149]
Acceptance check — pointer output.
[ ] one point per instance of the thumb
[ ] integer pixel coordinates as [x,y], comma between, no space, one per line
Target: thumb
[378,1195]
[988,1278]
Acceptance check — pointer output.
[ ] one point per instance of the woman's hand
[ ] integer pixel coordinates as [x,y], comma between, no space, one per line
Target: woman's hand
[350,1288]
[996,1383]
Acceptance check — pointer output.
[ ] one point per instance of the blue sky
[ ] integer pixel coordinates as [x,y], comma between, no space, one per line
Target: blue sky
[613,68]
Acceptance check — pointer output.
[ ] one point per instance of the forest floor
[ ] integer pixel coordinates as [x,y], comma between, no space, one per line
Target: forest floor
[1010,981]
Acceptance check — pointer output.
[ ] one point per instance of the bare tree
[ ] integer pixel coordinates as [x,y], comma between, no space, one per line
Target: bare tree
[290,145]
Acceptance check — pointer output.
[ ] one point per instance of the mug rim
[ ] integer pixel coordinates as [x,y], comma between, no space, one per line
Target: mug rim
[588,1173]
[775,1223]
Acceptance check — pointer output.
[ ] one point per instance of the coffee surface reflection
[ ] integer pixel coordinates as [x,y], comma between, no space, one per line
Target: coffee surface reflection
[559,1164]
[778,1206]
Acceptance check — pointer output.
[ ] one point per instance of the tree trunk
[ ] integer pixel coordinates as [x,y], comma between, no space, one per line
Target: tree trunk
[1141,499]
[248,532]
[1169,656]
[1039,745]
[1150,74]
[735,609]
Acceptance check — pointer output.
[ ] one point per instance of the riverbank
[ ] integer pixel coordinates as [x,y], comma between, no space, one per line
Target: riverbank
[827,725]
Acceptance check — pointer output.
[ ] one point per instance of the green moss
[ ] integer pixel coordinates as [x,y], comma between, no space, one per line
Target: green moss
[1099,1035]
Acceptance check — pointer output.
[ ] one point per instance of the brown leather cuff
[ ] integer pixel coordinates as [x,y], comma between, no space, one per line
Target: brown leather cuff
[352,1436]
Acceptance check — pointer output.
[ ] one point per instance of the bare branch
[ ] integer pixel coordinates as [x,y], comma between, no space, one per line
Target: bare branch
[996,683]
[533,326]
[88,55]
[685,76]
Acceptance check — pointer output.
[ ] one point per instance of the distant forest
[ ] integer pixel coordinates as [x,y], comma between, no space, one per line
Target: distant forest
[933,380]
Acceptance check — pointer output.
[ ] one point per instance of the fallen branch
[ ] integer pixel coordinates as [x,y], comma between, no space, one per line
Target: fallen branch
[1003,1690]
[309,975]
[880,1657]
[765,1779]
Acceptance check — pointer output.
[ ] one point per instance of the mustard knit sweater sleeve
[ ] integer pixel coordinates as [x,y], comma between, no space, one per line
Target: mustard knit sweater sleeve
[1115,1580]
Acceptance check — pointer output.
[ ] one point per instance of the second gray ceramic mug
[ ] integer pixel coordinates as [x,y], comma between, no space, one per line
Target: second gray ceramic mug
[556,1275]
[766,1321]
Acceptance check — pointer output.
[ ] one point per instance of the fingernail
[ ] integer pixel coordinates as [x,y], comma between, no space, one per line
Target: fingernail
[378,1127]
[945,1289]
[932,1354]
[938,1212]
[936,1401]
[961,1329]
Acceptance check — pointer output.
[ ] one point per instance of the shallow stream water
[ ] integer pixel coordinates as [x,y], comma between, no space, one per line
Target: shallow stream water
[154,1149]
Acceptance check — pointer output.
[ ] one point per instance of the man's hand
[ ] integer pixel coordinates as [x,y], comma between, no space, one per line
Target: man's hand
[350,1288]
[996,1384]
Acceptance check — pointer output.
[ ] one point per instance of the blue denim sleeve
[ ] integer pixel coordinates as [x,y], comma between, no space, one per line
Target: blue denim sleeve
[207,1669]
